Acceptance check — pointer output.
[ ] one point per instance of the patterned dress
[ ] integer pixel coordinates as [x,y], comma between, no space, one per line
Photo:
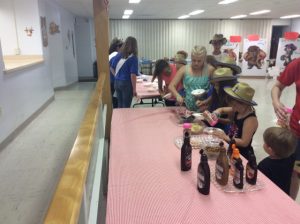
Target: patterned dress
[191,83]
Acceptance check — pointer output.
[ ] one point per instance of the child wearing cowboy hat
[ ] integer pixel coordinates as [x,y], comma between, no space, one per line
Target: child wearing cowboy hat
[244,120]
[225,75]
[218,41]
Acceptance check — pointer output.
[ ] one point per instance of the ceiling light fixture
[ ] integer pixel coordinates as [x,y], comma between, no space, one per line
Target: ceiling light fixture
[183,17]
[125,16]
[225,2]
[260,12]
[289,16]
[196,12]
[134,1]
[238,17]
[128,12]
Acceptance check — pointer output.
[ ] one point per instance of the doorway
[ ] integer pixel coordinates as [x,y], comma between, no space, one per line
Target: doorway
[277,32]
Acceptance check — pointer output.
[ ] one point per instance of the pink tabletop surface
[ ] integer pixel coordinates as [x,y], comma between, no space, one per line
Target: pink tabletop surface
[147,186]
[142,91]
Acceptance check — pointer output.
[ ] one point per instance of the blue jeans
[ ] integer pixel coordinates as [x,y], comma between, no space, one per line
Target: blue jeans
[124,93]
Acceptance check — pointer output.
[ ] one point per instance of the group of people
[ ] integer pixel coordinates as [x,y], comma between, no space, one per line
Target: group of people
[230,100]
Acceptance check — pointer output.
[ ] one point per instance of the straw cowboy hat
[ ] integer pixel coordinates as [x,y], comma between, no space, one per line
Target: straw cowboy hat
[227,62]
[222,74]
[218,38]
[242,92]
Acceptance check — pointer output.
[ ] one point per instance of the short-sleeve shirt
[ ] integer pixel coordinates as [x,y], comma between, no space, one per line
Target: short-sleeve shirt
[169,78]
[291,75]
[279,171]
[129,67]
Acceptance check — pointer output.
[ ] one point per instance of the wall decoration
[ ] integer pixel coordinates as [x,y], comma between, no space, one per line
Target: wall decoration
[254,57]
[44,31]
[29,31]
[54,28]
[232,50]
[287,51]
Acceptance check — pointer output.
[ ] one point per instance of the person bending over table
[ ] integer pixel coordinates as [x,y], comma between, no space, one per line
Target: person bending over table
[194,76]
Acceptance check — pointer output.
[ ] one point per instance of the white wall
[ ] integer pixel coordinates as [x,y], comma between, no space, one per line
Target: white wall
[70,60]
[83,47]
[63,63]
[295,25]
[160,38]
[26,15]
[55,45]
[22,93]
[7,30]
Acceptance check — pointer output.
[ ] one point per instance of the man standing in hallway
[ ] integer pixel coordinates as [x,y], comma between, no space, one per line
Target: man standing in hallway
[290,75]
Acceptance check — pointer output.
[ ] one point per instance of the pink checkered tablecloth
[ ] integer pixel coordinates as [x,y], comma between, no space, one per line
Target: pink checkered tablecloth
[147,186]
[143,91]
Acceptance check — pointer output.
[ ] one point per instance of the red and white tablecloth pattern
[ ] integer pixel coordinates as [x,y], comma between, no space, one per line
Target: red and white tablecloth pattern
[147,186]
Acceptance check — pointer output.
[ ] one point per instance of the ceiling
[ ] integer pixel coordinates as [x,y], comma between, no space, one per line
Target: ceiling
[171,9]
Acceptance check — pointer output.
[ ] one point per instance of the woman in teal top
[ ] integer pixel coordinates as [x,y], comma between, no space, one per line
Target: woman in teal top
[194,76]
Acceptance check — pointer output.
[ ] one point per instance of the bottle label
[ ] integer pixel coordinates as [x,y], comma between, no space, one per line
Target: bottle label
[236,177]
[219,171]
[200,180]
[250,173]
[188,160]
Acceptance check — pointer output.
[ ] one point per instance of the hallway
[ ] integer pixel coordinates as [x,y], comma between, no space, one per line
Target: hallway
[30,166]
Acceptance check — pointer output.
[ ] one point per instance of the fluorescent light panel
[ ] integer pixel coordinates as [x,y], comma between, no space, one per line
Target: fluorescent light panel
[183,17]
[238,16]
[225,2]
[196,12]
[134,1]
[260,12]
[125,16]
[289,16]
[128,12]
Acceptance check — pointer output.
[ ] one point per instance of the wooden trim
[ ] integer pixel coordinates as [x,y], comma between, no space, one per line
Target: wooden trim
[67,199]
[13,63]
[101,21]
[22,126]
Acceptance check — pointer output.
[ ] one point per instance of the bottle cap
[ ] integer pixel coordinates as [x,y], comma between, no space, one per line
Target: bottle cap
[236,153]
[187,125]
[288,110]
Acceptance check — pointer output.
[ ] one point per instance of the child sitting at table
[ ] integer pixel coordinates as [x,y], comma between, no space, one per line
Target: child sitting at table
[280,144]
[242,113]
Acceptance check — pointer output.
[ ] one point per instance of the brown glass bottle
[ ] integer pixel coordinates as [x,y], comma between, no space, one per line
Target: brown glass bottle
[186,153]
[203,175]
[238,177]
[251,169]
[222,166]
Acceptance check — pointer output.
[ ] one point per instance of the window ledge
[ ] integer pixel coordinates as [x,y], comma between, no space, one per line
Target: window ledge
[14,63]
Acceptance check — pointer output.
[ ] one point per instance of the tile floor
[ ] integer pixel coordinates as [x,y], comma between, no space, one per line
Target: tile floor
[31,165]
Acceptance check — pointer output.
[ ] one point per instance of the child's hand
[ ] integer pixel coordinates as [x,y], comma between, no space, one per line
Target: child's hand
[180,100]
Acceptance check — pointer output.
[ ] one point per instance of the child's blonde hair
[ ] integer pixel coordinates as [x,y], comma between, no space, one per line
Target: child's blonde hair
[281,140]
[199,51]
